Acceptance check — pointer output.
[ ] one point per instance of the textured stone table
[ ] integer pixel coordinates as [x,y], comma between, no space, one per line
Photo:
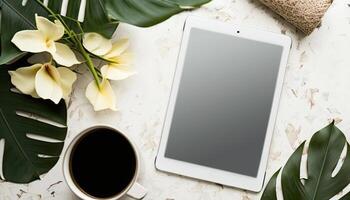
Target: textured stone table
[316,90]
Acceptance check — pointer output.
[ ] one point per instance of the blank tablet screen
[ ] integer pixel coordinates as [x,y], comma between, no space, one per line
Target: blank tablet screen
[224,100]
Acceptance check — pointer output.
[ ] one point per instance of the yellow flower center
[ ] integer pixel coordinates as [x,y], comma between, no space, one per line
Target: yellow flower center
[49,43]
[50,71]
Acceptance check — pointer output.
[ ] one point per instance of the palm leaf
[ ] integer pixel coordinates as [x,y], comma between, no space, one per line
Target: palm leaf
[96,19]
[148,12]
[25,157]
[101,16]
[323,155]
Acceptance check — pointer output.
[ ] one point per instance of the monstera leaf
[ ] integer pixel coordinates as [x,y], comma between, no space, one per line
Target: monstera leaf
[148,12]
[25,126]
[101,16]
[16,16]
[321,184]
[95,20]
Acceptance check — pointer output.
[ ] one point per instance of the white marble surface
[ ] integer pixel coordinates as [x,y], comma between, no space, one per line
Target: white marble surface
[316,90]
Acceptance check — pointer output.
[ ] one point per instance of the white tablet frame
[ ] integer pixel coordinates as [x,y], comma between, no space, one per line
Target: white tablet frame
[207,173]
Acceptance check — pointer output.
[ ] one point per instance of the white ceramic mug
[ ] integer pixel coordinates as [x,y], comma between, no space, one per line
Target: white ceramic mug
[134,189]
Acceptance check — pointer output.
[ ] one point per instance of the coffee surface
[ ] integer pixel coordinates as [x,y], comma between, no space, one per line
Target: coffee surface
[103,163]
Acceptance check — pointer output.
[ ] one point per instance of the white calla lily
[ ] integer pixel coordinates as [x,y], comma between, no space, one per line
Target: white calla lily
[44,81]
[118,48]
[119,60]
[101,97]
[24,79]
[44,40]
[67,80]
[96,43]
[47,83]
[116,72]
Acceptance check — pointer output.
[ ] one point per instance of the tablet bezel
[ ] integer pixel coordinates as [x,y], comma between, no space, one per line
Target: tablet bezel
[207,173]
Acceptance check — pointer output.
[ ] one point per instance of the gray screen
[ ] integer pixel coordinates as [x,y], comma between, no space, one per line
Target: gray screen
[224,101]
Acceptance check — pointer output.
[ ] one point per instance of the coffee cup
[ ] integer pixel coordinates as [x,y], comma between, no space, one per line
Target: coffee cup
[102,163]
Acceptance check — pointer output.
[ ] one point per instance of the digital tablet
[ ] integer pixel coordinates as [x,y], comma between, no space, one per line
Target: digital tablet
[223,103]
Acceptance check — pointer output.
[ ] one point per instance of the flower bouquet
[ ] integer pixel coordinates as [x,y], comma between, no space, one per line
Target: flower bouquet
[49,76]
[41,42]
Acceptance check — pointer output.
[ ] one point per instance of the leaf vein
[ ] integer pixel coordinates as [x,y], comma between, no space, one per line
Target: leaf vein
[19,14]
[322,168]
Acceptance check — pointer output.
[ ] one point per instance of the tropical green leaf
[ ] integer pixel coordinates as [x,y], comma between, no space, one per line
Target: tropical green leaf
[97,20]
[148,12]
[270,190]
[55,6]
[26,157]
[16,17]
[323,155]
[291,175]
[346,197]
[101,16]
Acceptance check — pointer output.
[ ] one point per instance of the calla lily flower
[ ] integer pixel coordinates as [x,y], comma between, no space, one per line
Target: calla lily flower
[44,81]
[44,39]
[114,52]
[101,97]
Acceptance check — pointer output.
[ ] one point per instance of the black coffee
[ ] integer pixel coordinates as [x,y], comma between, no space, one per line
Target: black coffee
[103,163]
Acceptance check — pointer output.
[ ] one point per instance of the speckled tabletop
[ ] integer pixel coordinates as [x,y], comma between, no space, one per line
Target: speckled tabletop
[316,90]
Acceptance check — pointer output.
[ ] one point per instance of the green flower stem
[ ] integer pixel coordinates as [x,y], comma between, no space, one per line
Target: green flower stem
[90,65]
[87,58]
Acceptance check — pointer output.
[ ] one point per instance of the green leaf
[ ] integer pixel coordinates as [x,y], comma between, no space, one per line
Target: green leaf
[148,12]
[73,9]
[23,16]
[323,155]
[55,6]
[97,16]
[346,197]
[292,186]
[270,190]
[96,19]
[25,158]
[16,17]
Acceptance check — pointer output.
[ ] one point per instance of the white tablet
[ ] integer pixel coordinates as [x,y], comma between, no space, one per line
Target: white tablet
[223,104]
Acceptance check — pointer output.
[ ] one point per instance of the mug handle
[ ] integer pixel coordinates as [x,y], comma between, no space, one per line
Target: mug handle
[137,191]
